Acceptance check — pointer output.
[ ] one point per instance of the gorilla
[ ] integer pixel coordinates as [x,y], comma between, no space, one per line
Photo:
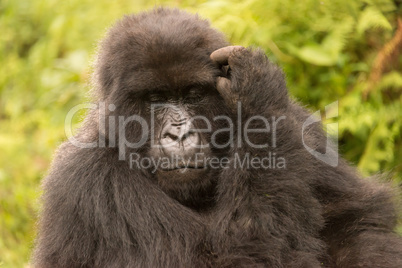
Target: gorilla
[195,156]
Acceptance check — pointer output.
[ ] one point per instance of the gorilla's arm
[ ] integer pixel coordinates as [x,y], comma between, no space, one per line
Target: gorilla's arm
[357,216]
[360,214]
[100,213]
[264,205]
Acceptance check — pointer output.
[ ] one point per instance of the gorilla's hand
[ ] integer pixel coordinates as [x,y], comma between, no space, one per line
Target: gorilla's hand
[250,78]
[223,84]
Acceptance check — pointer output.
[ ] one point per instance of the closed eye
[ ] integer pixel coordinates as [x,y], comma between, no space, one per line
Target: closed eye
[157,97]
[193,95]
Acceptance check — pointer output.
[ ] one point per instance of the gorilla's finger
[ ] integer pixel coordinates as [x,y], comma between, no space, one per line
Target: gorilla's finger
[223,86]
[221,55]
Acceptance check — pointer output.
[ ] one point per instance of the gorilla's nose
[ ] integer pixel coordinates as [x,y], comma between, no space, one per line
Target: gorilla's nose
[179,139]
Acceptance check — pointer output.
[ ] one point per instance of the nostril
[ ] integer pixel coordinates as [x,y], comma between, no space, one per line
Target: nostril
[180,144]
[190,135]
[187,135]
[171,136]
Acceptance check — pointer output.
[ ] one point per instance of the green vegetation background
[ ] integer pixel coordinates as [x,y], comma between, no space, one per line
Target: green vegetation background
[331,50]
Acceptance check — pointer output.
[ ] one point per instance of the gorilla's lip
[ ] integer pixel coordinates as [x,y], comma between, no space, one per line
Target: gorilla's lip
[183,166]
[179,168]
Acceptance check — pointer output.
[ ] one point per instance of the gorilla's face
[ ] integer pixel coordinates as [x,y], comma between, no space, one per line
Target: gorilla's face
[182,138]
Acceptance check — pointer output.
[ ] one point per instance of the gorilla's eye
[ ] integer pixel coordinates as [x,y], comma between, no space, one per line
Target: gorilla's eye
[157,97]
[193,95]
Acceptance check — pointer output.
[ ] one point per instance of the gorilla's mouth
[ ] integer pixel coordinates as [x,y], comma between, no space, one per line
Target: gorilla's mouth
[182,172]
[184,166]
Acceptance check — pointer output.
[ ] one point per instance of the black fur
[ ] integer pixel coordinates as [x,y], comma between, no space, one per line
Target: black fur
[100,213]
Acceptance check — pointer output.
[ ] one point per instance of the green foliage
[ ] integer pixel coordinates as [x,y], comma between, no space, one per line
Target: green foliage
[326,48]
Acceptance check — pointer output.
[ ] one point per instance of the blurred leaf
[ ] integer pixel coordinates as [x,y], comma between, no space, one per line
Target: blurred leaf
[372,18]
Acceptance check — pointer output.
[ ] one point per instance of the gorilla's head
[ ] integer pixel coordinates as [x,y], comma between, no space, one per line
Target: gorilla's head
[157,66]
